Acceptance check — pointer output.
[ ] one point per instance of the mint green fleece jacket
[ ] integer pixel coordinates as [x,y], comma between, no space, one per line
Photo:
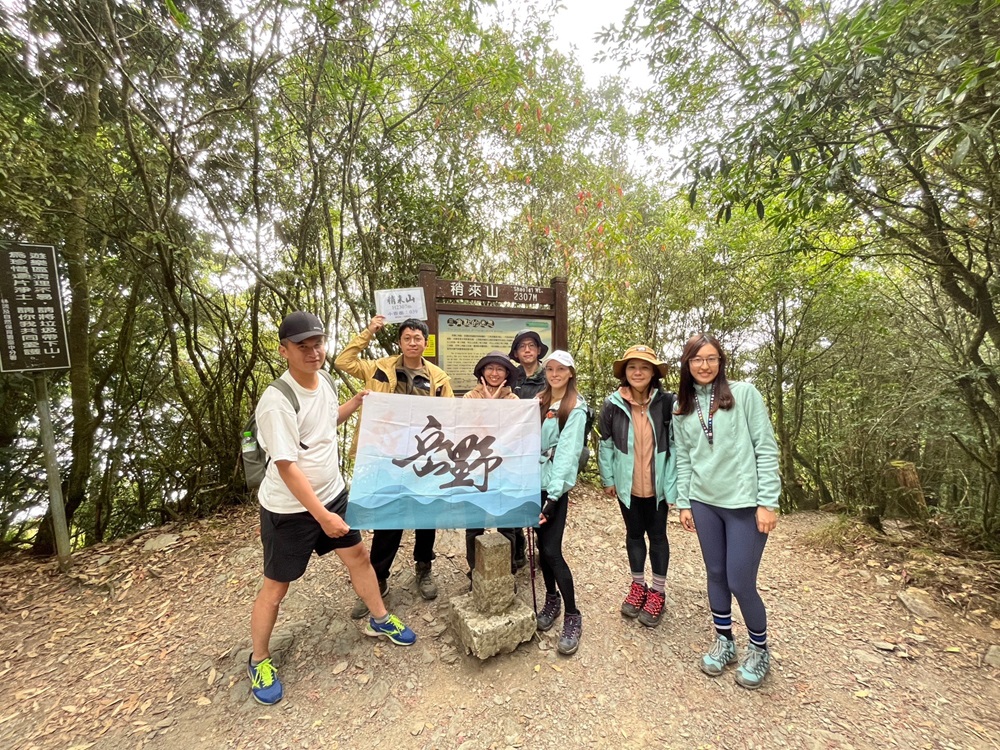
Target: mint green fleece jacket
[561,450]
[741,469]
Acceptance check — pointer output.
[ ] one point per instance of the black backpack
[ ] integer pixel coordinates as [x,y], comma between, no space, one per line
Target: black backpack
[255,458]
[588,429]
[668,415]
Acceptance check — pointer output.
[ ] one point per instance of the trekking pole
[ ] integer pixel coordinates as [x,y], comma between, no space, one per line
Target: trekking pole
[531,565]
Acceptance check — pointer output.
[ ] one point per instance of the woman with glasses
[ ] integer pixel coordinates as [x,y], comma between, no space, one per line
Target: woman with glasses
[637,468]
[727,489]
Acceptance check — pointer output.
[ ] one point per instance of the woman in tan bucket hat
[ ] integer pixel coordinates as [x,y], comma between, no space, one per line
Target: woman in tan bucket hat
[637,468]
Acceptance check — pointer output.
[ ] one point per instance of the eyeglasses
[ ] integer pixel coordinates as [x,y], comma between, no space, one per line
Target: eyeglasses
[699,361]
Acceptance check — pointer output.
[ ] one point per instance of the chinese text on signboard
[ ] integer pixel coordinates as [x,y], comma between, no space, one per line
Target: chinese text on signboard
[32,327]
[467,338]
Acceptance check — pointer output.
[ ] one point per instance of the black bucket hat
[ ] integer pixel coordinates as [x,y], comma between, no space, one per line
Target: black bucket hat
[496,358]
[527,333]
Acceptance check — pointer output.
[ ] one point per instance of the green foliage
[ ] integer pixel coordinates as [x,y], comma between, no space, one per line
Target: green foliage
[874,122]
[206,168]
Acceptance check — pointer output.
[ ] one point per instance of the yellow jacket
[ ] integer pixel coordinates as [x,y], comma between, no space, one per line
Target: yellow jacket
[379,375]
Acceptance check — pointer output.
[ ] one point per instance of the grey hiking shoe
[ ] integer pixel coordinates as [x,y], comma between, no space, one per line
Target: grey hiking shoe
[361,609]
[549,611]
[723,652]
[754,668]
[425,580]
[569,641]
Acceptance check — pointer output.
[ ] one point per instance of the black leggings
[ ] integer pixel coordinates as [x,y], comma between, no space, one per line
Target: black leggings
[643,517]
[555,571]
[385,545]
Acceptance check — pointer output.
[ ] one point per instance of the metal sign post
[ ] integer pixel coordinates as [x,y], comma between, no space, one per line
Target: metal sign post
[33,339]
[59,525]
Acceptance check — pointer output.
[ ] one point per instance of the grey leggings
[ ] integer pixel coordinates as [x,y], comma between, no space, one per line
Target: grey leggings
[732,547]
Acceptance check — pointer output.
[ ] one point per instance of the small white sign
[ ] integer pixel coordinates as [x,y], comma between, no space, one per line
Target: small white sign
[398,305]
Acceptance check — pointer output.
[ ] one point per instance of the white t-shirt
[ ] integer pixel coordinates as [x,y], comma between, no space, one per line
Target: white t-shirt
[282,434]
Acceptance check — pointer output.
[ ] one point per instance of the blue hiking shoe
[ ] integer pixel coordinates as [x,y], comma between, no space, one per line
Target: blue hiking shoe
[264,682]
[393,629]
[756,663]
[722,653]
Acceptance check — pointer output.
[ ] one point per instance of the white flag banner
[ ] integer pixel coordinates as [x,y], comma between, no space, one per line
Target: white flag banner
[446,463]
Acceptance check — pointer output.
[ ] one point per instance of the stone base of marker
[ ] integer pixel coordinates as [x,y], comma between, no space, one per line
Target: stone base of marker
[491,620]
[492,597]
[488,635]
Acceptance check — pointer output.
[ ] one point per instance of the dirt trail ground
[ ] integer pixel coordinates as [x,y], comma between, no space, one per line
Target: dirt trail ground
[146,647]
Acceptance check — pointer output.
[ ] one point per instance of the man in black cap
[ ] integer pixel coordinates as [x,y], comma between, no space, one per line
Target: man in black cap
[303,497]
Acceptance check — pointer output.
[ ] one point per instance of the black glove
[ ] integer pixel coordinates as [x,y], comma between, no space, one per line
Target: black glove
[549,509]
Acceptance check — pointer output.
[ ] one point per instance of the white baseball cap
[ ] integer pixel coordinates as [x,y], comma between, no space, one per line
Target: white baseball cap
[563,358]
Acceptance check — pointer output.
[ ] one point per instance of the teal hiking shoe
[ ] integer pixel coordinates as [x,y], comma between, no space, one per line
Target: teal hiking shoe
[393,629]
[756,664]
[722,653]
[264,682]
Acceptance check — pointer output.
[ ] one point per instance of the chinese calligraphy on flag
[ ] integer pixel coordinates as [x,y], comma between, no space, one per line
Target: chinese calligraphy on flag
[442,463]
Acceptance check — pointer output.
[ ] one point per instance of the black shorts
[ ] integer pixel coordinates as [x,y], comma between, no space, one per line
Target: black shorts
[290,539]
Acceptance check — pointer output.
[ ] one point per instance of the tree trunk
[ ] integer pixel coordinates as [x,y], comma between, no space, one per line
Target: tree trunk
[825,496]
[75,255]
[902,496]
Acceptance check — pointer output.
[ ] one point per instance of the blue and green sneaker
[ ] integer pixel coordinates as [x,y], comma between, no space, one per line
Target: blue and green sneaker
[264,682]
[393,629]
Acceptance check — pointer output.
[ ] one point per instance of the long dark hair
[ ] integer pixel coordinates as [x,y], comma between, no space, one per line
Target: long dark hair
[567,404]
[685,391]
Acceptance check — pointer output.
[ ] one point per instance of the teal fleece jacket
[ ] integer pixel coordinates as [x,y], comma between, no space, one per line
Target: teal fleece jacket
[561,450]
[616,467]
[741,469]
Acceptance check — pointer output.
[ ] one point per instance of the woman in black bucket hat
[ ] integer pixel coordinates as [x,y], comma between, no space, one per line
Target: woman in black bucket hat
[493,374]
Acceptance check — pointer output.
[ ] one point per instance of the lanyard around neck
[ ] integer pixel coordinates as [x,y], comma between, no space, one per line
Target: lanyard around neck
[707,426]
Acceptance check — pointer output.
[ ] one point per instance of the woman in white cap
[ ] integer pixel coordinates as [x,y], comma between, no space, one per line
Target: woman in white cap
[637,468]
[494,373]
[564,417]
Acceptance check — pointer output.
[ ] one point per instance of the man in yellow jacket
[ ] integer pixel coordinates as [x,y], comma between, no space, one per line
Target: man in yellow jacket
[407,373]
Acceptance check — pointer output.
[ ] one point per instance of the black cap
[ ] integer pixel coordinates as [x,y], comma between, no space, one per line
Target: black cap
[527,333]
[496,358]
[299,326]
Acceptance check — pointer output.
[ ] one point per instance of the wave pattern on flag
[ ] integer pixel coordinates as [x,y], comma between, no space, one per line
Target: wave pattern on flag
[446,463]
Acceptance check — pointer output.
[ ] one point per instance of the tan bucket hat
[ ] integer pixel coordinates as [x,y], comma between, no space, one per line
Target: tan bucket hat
[646,354]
